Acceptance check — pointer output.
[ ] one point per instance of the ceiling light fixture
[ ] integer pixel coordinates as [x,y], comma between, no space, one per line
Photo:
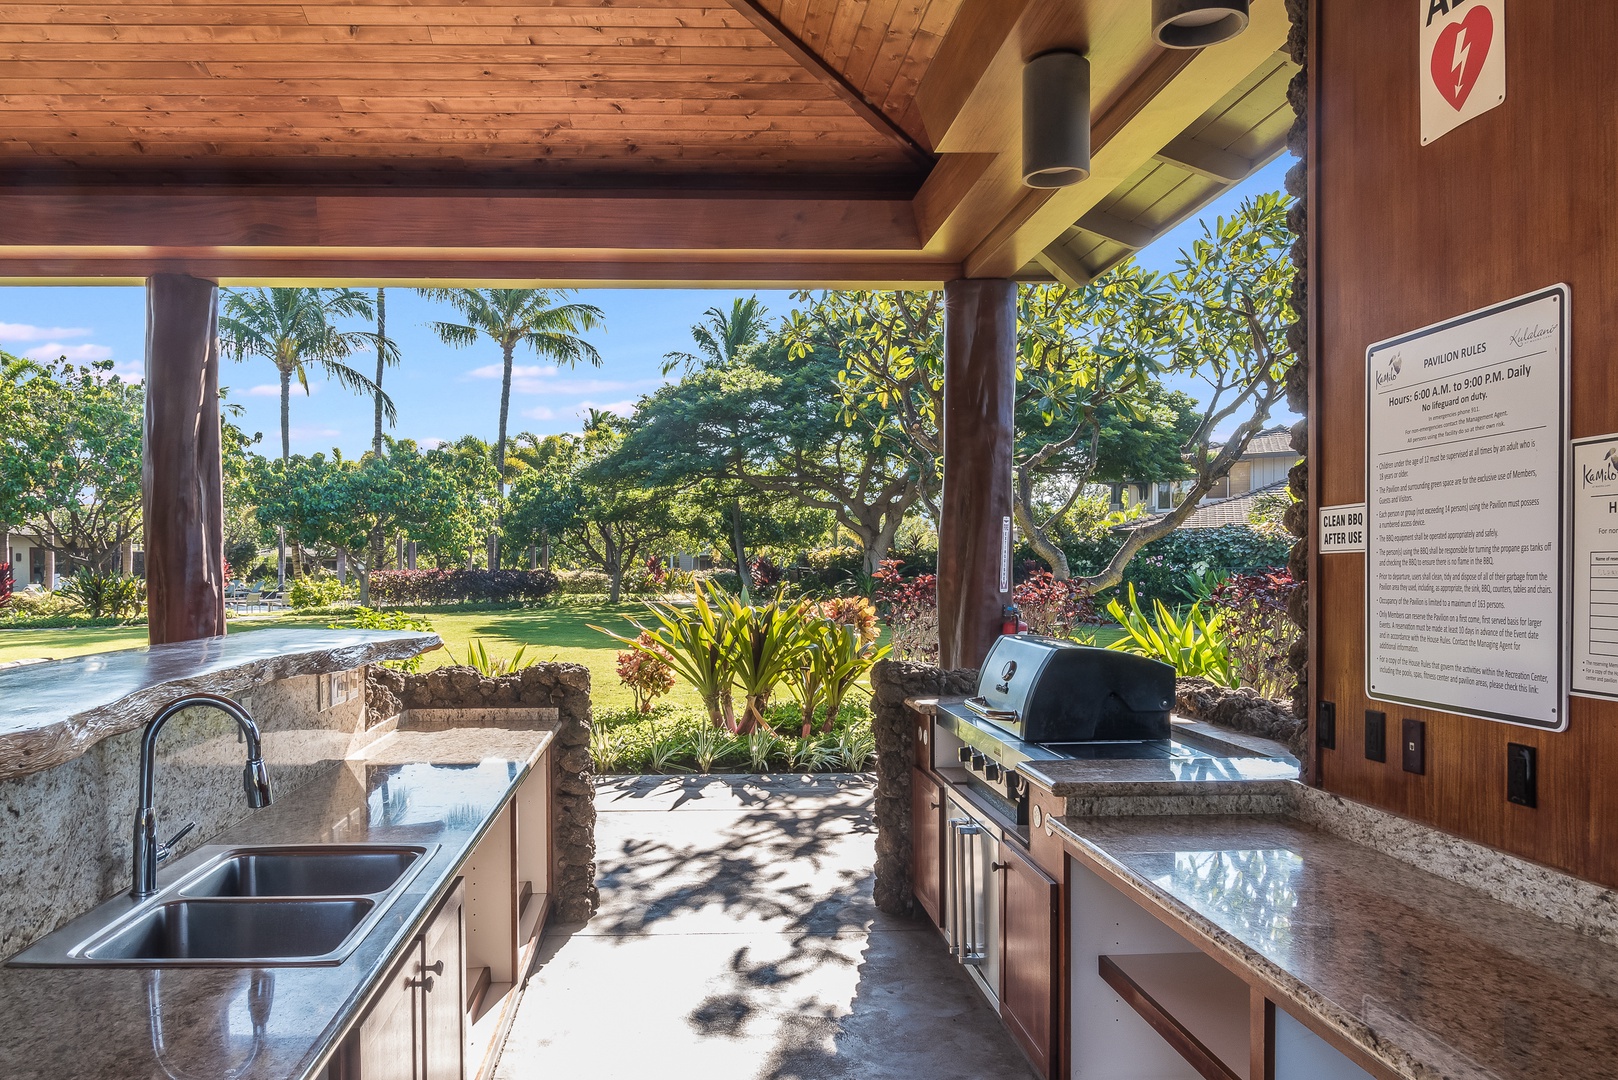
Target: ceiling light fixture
[1192,24]
[1056,119]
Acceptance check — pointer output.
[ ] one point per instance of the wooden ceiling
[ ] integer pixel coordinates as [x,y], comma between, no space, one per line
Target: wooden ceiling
[582,86]
[720,142]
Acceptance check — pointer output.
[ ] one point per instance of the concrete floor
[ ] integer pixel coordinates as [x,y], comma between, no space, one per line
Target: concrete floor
[737,940]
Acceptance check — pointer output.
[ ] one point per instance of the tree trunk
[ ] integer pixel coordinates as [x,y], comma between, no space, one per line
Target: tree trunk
[1040,541]
[182,480]
[980,387]
[510,349]
[381,335]
[342,567]
[744,573]
[286,453]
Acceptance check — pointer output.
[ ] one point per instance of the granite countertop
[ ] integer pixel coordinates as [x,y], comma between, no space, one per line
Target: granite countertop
[1430,977]
[50,713]
[103,1023]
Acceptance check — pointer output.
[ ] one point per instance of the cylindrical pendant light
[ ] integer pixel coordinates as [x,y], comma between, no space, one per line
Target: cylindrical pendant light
[1192,24]
[1056,119]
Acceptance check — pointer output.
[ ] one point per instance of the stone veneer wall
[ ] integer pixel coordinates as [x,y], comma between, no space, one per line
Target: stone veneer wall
[563,687]
[1297,518]
[892,682]
[1242,710]
[67,830]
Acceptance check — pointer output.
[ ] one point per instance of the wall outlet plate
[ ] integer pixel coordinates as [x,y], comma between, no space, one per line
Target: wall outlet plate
[1522,774]
[1376,735]
[1413,746]
[1326,725]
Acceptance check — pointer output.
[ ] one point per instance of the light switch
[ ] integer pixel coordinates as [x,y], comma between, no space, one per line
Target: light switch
[1413,746]
[1376,735]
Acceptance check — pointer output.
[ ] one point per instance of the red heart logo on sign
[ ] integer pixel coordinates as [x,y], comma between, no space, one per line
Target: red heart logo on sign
[1458,57]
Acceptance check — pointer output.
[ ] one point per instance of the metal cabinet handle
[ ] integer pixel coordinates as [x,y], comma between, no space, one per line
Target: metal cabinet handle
[998,866]
[425,982]
[437,967]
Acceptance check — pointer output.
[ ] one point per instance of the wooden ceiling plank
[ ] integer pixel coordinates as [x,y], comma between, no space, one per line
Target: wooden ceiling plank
[833,80]
[595,87]
[898,99]
[95,37]
[867,41]
[764,56]
[1064,266]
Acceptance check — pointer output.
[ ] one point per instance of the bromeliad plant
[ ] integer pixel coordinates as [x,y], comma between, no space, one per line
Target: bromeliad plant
[1194,645]
[696,644]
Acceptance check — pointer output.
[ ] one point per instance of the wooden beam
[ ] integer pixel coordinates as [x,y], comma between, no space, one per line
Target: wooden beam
[1206,160]
[182,484]
[157,223]
[1063,266]
[980,387]
[834,81]
[945,191]
[1116,229]
[980,30]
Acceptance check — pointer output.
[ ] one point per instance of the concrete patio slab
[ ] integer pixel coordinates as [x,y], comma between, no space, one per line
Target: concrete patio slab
[737,941]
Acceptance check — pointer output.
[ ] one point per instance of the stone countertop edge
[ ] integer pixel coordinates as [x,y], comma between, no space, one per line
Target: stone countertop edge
[1243,956]
[53,712]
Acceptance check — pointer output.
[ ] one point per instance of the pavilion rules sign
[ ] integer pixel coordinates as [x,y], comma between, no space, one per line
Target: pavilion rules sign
[1463,62]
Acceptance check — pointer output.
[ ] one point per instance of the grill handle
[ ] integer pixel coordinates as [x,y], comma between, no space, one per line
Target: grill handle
[982,708]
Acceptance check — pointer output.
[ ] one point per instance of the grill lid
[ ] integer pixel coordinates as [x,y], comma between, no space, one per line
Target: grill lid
[1048,690]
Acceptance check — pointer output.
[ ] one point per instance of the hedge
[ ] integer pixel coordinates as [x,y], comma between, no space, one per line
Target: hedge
[1159,569]
[426,587]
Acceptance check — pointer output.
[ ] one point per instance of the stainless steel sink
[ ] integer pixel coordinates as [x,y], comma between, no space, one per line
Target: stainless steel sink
[253,931]
[337,871]
[243,907]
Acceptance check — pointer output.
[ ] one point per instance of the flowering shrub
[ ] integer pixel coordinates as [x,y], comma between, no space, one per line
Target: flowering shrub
[645,670]
[1053,607]
[910,606]
[852,611]
[765,574]
[5,583]
[425,587]
[1261,634]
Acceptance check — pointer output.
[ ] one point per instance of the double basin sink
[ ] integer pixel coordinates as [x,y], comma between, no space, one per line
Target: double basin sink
[248,907]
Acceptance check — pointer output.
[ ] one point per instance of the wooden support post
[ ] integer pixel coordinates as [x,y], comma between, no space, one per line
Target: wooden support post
[181,478]
[974,531]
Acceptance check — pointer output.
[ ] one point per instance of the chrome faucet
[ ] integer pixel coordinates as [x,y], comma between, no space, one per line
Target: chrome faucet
[255,779]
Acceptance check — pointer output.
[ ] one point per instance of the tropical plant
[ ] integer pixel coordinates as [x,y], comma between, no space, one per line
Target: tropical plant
[836,659]
[854,748]
[910,606]
[319,590]
[765,644]
[645,671]
[721,335]
[105,595]
[512,318]
[811,754]
[710,747]
[607,749]
[762,746]
[1195,645]
[364,618]
[1262,634]
[479,660]
[6,581]
[694,642]
[666,752]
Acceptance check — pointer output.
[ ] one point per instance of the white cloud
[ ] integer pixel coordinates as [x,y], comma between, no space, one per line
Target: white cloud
[622,408]
[265,390]
[539,412]
[314,433]
[431,443]
[79,354]
[518,371]
[15,333]
[585,386]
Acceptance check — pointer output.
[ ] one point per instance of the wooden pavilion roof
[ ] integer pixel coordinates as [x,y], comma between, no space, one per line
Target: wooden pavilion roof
[748,142]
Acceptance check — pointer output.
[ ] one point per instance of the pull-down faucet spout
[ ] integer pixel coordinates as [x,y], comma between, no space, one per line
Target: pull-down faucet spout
[255,779]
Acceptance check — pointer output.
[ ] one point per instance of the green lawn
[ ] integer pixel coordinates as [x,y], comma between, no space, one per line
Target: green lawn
[552,633]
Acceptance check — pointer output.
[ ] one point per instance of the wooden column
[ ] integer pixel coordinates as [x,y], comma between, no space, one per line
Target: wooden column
[974,559]
[181,477]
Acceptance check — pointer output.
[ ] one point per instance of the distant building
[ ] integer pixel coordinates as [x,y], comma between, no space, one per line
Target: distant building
[32,563]
[1261,470]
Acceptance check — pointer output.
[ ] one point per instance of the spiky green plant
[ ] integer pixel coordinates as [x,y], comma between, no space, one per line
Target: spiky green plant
[1195,645]
[766,643]
[814,754]
[854,748]
[762,747]
[606,749]
[478,659]
[664,755]
[710,747]
[695,643]
[836,659]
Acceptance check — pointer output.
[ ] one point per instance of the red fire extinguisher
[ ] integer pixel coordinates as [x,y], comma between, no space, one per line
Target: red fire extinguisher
[1012,620]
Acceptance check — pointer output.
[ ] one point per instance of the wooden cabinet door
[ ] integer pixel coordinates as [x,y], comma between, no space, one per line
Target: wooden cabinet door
[1028,955]
[389,1034]
[927,843]
[443,985]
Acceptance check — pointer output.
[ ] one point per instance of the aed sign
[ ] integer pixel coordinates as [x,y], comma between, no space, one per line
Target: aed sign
[1342,529]
[1463,62]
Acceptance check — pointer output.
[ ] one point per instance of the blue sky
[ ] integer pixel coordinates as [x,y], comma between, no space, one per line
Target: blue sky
[444,393]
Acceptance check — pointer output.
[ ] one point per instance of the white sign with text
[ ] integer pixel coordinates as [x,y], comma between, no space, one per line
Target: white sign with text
[1463,62]
[1466,452]
[1594,497]
[1342,529]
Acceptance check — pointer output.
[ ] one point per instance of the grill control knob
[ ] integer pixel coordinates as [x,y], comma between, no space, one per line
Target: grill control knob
[978,758]
[992,772]
[965,754]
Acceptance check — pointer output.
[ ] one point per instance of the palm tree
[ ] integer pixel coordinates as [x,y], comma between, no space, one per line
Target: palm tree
[514,317]
[387,352]
[294,329]
[722,334]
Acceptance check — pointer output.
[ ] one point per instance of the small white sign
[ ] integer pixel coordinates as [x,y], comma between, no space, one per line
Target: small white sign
[1342,529]
[1594,495]
[1005,554]
[1463,62]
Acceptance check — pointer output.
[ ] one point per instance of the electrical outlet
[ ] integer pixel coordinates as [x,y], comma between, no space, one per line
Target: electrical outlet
[1522,774]
[1326,725]
[1376,735]
[1414,745]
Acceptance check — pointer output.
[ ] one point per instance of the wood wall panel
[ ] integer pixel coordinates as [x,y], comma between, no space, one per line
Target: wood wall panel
[1518,199]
